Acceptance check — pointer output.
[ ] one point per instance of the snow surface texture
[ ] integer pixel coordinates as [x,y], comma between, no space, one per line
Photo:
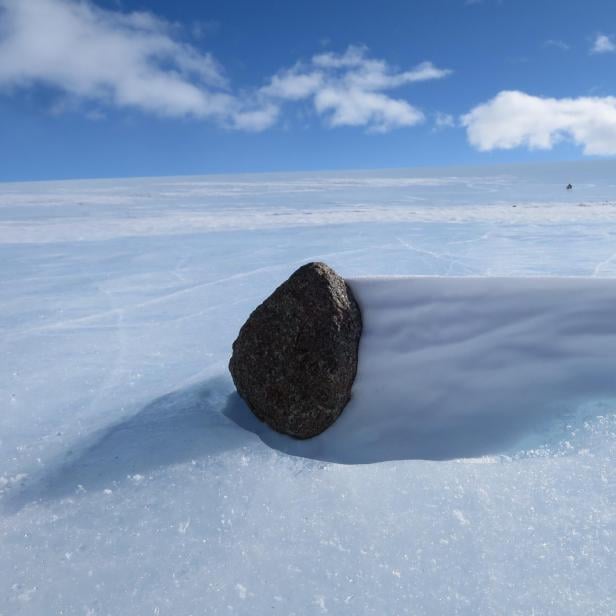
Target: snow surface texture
[127,485]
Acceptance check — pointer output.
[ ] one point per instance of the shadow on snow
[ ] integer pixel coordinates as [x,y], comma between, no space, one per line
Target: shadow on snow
[206,420]
[177,427]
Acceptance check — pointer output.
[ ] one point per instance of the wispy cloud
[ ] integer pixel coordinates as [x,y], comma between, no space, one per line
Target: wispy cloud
[348,89]
[603,44]
[513,119]
[443,120]
[556,44]
[136,60]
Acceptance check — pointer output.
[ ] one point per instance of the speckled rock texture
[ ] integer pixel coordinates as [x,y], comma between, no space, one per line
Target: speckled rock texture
[295,358]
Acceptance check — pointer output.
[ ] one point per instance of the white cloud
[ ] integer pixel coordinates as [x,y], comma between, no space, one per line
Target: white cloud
[444,120]
[348,89]
[98,54]
[353,56]
[108,58]
[513,119]
[557,44]
[256,119]
[293,84]
[357,107]
[114,58]
[603,44]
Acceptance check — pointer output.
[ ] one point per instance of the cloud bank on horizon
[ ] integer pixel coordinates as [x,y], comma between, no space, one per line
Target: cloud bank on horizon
[110,58]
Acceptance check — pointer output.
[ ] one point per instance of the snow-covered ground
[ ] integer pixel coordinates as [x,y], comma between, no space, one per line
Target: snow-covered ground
[132,480]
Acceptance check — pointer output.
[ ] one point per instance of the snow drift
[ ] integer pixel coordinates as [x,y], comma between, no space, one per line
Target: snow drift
[460,367]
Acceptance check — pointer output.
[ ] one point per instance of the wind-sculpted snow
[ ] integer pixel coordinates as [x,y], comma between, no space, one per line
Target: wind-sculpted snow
[127,487]
[463,367]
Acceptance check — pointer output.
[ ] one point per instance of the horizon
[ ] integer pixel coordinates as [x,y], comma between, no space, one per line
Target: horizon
[487,166]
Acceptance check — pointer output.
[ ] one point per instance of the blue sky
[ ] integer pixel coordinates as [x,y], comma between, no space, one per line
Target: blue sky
[134,88]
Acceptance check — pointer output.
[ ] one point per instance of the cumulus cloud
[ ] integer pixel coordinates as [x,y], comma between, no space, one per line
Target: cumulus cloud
[603,44]
[117,59]
[513,119]
[348,89]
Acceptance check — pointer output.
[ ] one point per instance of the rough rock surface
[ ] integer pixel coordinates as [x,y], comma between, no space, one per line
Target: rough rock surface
[295,358]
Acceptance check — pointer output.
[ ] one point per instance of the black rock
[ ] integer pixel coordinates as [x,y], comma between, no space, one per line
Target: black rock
[295,358]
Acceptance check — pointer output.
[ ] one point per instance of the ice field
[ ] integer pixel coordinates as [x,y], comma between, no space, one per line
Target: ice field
[133,481]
